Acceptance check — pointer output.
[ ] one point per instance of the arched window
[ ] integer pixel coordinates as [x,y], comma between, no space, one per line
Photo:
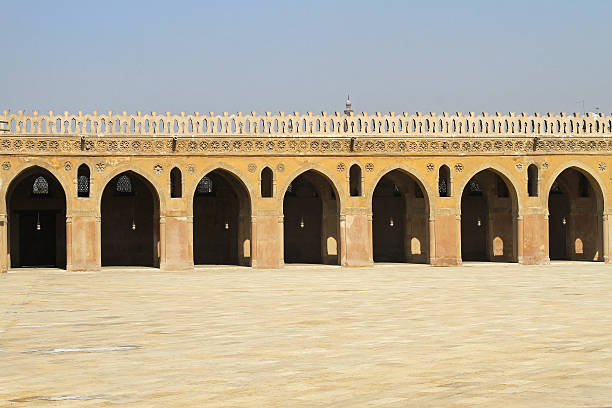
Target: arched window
[474,188]
[176,183]
[266,182]
[355,180]
[444,187]
[532,180]
[205,186]
[83,181]
[40,186]
[124,184]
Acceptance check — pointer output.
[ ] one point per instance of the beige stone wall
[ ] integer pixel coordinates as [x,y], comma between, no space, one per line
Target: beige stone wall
[61,143]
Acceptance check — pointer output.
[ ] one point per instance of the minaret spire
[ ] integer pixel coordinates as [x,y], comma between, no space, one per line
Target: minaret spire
[348,110]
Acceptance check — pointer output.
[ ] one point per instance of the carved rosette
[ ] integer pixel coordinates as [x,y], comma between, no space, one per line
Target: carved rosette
[158,169]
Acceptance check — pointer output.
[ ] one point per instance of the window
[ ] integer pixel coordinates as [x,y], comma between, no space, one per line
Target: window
[205,186]
[266,182]
[40,186]
[444,181]
[355,180]
[532,180]
[176,183]
[83,181]
[124,184]
[474,187]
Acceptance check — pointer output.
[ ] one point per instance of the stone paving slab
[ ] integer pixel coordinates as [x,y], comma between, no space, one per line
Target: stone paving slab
[481,335]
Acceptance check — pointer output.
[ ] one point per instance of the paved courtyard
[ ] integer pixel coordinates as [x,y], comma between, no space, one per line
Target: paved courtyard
[481,335]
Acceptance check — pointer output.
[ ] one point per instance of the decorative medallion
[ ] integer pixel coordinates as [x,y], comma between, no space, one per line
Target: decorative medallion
[67,166]
[191,169]
[545,165]
[602,166]
[430,167]
[369,167]
[459,167]
[280,167]
[340,167]
[158,169]
[519,166]
[6,165]
[252,167]
[100,166]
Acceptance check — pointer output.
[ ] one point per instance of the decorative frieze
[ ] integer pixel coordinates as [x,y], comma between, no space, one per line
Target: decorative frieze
[309,145]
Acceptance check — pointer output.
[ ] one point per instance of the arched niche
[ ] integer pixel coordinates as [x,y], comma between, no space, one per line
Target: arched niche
[400,219]
[575,217]
[221,220]
[489,218]
[311,214]
[36,209]
[130,231]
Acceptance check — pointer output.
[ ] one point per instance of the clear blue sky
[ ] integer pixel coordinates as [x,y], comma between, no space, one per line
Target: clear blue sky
[306,55]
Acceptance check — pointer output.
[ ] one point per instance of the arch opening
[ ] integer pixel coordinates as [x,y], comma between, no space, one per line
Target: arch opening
[400,214]
[489,215]
[311,227]
[575,217]
[130,222]
[36,208]
[221,220]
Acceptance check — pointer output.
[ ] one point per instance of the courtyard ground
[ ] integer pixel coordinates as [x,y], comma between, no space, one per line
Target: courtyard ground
[481,335]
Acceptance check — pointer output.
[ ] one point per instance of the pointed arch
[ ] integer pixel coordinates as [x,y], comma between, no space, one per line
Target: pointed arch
[222,221]
[129,209]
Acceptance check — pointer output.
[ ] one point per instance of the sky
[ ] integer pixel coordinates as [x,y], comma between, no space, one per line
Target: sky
[400,56]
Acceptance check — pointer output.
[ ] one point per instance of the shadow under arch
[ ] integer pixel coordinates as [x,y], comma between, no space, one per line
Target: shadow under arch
[311,218]
[336,184]
[97,186]
[400,207]
[129,207]
[221,206]
[17,170]
[575,201]
[36,207]
[490,206]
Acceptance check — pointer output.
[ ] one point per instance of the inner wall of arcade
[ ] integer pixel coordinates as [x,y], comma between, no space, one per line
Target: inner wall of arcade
[83,205]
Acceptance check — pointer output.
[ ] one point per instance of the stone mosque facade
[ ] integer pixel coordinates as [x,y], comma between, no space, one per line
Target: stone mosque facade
[85,191]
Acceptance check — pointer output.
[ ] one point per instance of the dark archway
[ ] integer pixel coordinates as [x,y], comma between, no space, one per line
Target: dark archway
[221,220]
[489,211]
[311,227]
[400,214]
[130,222]
[36,204]
[575,219]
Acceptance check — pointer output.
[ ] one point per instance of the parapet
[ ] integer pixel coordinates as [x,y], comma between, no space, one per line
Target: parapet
[187,125]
